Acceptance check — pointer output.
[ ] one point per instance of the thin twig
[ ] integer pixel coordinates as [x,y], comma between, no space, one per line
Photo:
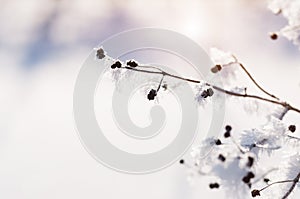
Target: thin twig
[295,181]
[284,112]
[264,175]
[160,83]
[153,67]
[249,75]
[293,137]
[237,145]
[284,104]
[278,182]
[258,86]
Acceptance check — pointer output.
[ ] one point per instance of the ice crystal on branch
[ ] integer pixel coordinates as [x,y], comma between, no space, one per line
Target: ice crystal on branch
[225,65]
[221,58]
[203,92]
[290,9]
[234,164]
[268,138]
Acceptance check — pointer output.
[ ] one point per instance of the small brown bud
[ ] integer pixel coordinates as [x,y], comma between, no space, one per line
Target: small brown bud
[273,36]
[216,68]
[255,193]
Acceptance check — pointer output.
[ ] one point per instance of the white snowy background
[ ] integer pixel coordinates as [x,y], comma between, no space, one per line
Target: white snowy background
[42,46]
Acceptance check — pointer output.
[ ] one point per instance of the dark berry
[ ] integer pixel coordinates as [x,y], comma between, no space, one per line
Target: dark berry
[246,179]
[292,128]
[207,93]
[151,95]
[255,193]
[117,64]
[181,161]
[228,128]
[100,54]
[214,185]
[227,134]
[218,142]
[250,174]
[204,94]
[266,180]
[222,158]
[273,36]
[250,161]
[132,64]
[210,92]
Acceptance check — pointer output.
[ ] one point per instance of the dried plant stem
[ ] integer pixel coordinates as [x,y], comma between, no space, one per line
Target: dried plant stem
[278,182]
[161,72]
[264,175]
[252,79]
[295,181]
[162,78]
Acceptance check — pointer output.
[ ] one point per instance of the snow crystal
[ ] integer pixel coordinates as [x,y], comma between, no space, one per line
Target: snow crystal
[290,9]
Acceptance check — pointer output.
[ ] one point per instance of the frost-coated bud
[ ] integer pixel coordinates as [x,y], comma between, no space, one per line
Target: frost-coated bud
[132,64]
[255,193]
[216,68]
[117,64]
[100,54]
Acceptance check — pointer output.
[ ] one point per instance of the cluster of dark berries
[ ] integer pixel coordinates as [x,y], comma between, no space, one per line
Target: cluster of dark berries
[216,68]
[207,93]
[214,185]
[273,36]
[292,128]
[132,64]
[222,158]
[100,54]
[246,179]
[255,193]
[117,64]
[228,129]
[151,95]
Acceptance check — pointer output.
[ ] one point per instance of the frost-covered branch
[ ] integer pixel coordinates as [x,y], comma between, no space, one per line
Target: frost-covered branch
[219,67]
[134,66]
[256,192]
[295,181]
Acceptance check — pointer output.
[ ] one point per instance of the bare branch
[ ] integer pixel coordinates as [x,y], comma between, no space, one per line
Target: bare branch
[263,90]
[162,72]
[295,181]
[264,175]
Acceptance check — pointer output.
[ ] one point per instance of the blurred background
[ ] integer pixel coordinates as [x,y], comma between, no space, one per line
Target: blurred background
[43,44]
